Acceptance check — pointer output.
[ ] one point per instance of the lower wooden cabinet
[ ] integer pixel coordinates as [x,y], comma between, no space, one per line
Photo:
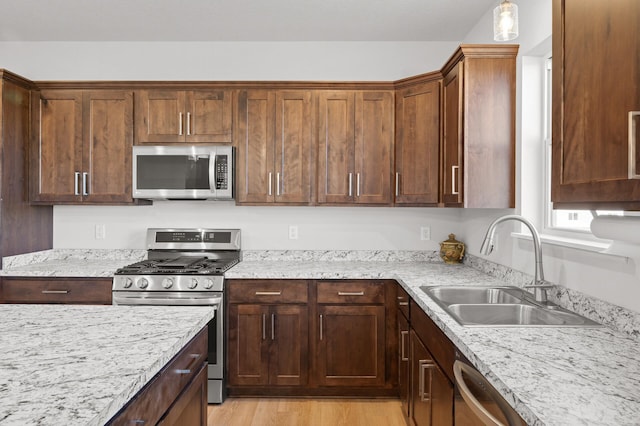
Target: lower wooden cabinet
[298,337]
[404,380]
[93,291]
[177,395]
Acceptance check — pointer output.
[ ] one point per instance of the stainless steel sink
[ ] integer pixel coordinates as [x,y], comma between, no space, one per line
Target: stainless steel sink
[503,307]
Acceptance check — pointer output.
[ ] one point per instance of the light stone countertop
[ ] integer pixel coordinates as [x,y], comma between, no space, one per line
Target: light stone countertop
[79,365]
[551,376]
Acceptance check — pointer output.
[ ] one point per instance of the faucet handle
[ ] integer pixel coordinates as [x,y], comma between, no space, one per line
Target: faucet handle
[540,291]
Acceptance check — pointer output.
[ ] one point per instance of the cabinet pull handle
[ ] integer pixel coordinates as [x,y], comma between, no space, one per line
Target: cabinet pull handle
[320,327]
[55,291]
[268,293]
[403,356]
[278,183]
[188,124]
[425,365]
[403,304]
[183,371]
[352,293]
[180,124]
[357,184]
[76,178]
[138,422]
[270,191]
[273,327]
[454,178]
[350,184]
[264,326]
[85,183]
[397,184]
[633,135]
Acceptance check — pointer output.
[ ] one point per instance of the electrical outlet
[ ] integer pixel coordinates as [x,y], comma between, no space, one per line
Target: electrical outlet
[425,233]
[293,232]
[100,232]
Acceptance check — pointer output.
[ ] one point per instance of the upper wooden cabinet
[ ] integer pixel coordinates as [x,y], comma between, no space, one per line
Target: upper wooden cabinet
[170,116]
[81,149]
[479,112]
[274,146]
[596,104]
[355,147]
[417,145]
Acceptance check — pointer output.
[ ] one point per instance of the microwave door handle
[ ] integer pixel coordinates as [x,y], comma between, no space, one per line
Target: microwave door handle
[212,171]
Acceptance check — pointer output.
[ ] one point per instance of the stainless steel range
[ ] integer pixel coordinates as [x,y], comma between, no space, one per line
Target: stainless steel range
[185,267]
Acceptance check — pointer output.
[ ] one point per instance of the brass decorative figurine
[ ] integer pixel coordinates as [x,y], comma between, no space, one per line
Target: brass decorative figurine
[452,250]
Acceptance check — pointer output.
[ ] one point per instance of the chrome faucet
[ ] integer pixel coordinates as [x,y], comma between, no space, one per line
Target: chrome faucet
[539,287]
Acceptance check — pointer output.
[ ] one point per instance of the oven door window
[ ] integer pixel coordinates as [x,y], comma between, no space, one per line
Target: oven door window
[172,172]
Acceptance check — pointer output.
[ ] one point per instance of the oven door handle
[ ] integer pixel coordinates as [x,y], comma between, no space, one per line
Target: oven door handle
[213,301]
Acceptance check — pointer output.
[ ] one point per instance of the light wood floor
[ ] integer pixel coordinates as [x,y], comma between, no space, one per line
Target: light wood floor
[306,412]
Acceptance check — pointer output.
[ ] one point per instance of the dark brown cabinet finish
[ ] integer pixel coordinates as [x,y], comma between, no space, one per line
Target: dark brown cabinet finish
[355,147]
[94,291]
[404,380]
[177,395]
[81,152]
[596,104]
[178,116]
[274,139]
[417,144]
[267,333]
[23,228]
[478,147]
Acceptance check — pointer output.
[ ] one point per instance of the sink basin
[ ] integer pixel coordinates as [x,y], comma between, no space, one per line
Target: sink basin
[502,306]
[515,315]
[474,295]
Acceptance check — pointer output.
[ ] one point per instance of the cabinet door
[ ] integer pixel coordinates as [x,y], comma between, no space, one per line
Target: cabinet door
[452,166]
[431,391]
[336,153]
[160,116]
[293,135]
[108,139]
[58,151]
[254,141]
[417,150]
[374,118]
[403,363]
[208,116]
[596,92]
[190,409]
[351,345]
[248,356]
[288,352]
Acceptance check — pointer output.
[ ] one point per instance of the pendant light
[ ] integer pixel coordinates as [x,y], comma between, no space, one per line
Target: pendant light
[505,21]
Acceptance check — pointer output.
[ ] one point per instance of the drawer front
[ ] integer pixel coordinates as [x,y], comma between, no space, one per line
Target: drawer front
[267,291]
[402,301]
[52,290]
[157,396]
[350,292]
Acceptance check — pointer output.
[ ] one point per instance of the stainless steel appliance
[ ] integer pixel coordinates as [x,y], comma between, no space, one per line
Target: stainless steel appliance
[477,402]
[183,172]
[185,267]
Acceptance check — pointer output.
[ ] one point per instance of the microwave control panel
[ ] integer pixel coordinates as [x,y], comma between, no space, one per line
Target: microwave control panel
[222,172]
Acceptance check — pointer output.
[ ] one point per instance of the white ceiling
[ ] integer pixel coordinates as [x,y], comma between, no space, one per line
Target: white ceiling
[239,20]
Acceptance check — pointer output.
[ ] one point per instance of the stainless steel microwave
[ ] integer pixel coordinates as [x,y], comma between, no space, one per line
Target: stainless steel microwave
[183,172]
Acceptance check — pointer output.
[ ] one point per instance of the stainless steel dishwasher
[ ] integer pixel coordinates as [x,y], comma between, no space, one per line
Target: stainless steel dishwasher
[477,402]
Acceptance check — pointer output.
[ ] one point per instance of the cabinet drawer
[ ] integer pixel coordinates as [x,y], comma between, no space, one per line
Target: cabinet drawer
[159,394]
[442,349]
[267,291]
[350,292]
[52,290]
[402,300]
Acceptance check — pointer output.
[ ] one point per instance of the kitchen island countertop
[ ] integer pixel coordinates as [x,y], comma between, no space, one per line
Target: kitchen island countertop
[79,365]
[551,376]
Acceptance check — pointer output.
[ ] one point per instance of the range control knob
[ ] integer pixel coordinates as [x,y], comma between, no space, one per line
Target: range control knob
[193,283]
[127,282]
[208,283]
[143,283]
[167,283]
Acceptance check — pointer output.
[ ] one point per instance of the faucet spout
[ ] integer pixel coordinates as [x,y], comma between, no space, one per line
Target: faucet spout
[538,281]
